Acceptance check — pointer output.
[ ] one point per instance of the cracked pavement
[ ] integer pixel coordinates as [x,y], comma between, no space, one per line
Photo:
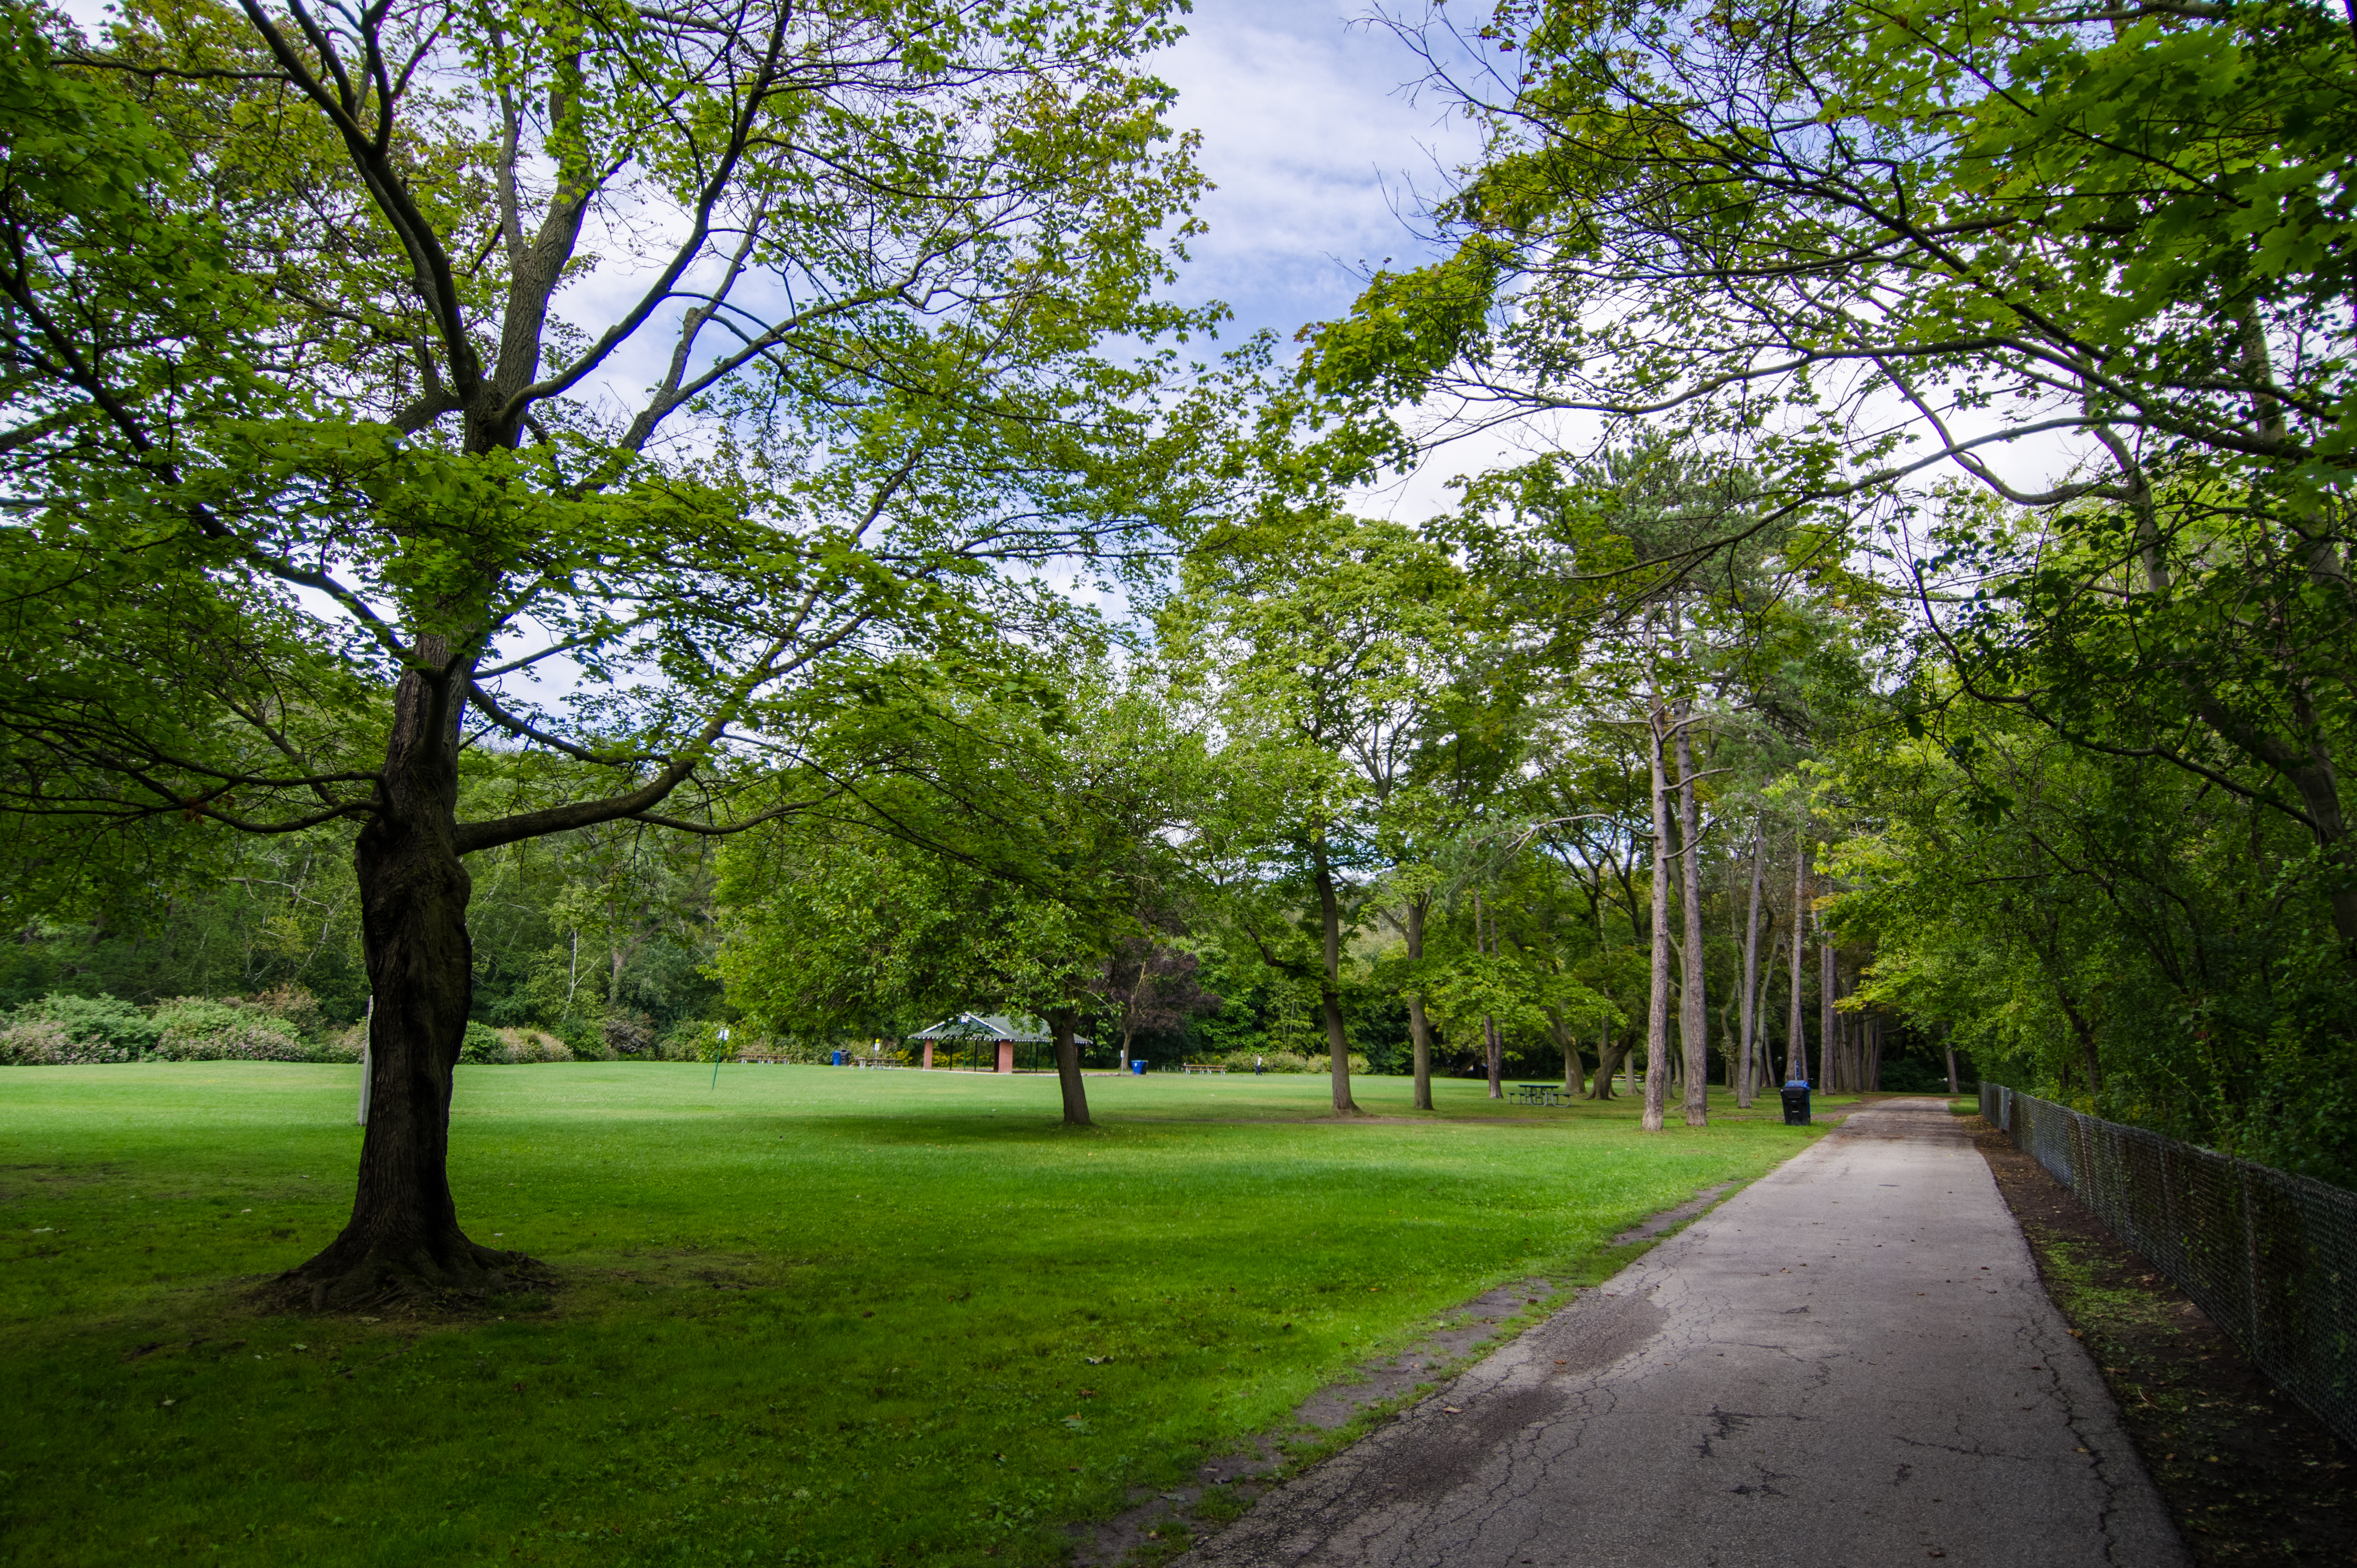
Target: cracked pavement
[1849,1363]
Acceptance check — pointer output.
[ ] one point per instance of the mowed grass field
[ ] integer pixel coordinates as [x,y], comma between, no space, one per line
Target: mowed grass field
[808,1316]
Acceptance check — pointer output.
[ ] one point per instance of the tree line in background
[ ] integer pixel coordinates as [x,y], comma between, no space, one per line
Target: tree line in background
[1914,620]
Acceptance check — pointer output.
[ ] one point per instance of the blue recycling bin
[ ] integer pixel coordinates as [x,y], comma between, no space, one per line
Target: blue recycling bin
[1137,1065]
[837,1060]
[1796,1103]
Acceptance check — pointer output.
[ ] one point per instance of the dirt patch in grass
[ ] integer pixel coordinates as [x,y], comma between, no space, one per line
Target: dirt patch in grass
[2247,1473]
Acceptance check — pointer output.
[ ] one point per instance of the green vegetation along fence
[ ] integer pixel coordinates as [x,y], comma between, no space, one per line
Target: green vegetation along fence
[2271,1257]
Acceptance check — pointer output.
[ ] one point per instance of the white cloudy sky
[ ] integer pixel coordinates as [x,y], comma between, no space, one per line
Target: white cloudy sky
[1317,143]
[1320,145]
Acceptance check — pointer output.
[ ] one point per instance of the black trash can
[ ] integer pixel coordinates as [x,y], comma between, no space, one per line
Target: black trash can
[1796,1103]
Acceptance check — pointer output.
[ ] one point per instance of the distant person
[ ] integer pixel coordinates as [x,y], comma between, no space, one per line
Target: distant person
[1260,1065]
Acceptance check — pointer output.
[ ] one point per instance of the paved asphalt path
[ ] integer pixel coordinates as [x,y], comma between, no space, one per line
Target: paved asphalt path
[1849,1364]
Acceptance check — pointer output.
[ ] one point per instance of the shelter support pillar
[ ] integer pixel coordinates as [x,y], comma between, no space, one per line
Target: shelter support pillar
[1006,1057]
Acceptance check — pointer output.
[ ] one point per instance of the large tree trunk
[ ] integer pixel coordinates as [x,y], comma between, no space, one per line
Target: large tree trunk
[1749,1050]
[1419,1028]
[1796,1040]
[1693,1016]
[1575,1074]
[1657,1013]
[1329,983]
[1607,1062]
[403,1234]
[1063,1025]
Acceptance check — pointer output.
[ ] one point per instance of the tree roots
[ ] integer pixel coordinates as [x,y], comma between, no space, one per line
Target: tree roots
[451,1277]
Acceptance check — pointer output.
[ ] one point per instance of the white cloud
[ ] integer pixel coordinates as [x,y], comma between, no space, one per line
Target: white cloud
[1318,146]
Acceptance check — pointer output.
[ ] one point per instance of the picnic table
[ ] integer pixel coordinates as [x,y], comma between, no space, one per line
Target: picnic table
[1540,1094]
[1203,1067]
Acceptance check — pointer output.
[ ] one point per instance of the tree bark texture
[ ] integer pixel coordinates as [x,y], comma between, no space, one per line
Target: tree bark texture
[1063,1026]
[1796,1043]
[1657,1013]
[1747,1050]
[1575,1072]
[1419,1028]
[1485,940]
[1827,1019]
[1329,988]
[404,1233]
[2083,1030]
[1694,1015]
[1606,1063]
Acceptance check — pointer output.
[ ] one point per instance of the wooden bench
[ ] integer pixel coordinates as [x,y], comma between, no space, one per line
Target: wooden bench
[1203,1067]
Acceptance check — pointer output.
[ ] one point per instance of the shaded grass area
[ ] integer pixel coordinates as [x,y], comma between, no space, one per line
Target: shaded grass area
[2249,1476]
[811,1317]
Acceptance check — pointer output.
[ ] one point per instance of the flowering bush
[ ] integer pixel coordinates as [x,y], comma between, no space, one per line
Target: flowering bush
[280,1025]
[1285,1061]
[197,1029]
[504,1047]
[101,1028]
[43,1042]
[343,1045]
[535,1046]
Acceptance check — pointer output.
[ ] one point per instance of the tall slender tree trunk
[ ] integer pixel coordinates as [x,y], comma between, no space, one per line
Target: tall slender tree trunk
[1747,1052]
[1694,1015]
[1828,1027]
[1952,1089]
[1845,1037]
[1485,941]
[1063,1026]
[1657,1013]
[1330,983]
[404,1233]
[1796,1041]
[1419,1028]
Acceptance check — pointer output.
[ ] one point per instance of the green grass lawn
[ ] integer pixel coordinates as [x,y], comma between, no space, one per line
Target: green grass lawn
[812,1316]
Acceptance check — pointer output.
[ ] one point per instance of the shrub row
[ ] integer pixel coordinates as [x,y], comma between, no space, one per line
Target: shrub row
[1285,1061]
[68,1031]
[509,1048]
[286,1026]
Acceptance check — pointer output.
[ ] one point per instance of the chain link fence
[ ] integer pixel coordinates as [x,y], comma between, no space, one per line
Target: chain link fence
[2271,1257]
